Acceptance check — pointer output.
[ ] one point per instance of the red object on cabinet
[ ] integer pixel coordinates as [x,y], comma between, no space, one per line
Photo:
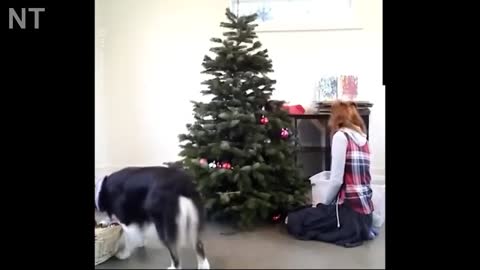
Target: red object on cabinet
[294,109]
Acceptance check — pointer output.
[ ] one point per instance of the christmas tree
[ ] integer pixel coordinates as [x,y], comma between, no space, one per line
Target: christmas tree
[240,148]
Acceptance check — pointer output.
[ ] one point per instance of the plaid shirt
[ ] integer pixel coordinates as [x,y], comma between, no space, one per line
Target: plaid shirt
[356,191]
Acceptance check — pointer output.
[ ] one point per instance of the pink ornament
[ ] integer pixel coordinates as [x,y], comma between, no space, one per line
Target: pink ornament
[203,161]
[284,133]
[226,165]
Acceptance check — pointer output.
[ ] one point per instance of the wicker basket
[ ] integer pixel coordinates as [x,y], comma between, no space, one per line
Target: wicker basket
[106,242]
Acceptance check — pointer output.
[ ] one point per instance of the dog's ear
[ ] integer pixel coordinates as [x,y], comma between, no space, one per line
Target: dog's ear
[98,187]
[100,182]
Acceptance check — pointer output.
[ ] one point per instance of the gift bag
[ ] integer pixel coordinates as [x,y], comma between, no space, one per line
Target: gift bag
[324,191]
[378,199]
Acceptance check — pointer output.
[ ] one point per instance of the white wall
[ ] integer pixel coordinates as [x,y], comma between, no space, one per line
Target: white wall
[148,64]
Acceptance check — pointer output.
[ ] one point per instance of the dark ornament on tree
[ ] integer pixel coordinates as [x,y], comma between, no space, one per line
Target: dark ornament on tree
[263,120]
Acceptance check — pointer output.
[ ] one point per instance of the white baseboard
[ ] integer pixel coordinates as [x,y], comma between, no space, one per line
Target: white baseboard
[378,180]
[378,176]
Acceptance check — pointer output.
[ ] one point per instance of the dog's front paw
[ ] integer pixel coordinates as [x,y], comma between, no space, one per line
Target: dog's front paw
[123,254]
[173,267]
[204,264]
[142,242]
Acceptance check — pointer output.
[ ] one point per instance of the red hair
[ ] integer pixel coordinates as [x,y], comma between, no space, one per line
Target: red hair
[344,114]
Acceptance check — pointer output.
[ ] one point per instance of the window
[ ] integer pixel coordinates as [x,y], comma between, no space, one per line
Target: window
[298,15]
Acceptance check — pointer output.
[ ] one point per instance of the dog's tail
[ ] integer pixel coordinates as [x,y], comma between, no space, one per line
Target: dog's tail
[188,221]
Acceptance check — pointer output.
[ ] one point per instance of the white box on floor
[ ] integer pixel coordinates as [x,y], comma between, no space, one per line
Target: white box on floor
[324,191]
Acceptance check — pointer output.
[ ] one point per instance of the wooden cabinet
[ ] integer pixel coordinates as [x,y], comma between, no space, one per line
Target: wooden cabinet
[314,140]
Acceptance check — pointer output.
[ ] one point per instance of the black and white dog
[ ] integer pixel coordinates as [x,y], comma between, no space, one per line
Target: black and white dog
[163,196]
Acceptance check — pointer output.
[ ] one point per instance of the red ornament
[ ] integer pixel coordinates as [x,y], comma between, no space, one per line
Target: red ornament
[277,217]
[263,120]
[284,133]
[226,165]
